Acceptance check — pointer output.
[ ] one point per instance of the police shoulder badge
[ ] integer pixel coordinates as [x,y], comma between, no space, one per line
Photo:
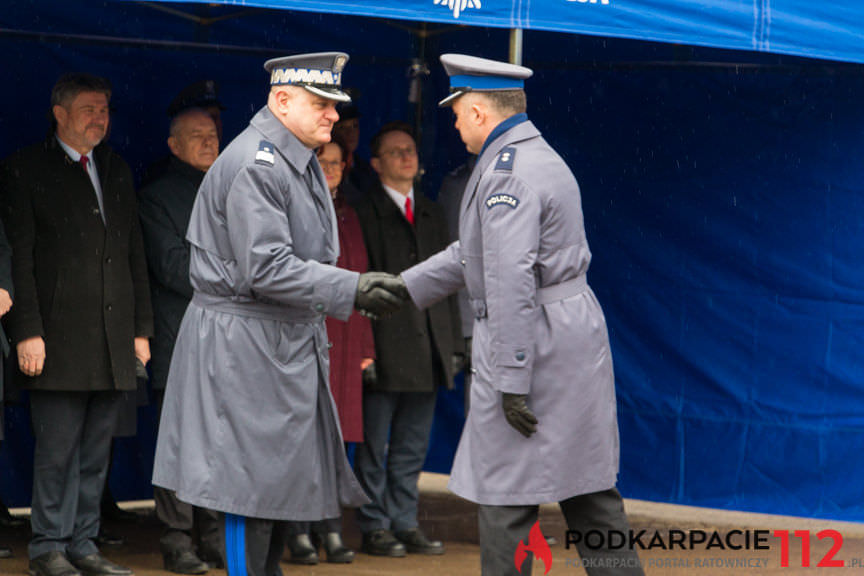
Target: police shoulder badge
[502,200]
[505,159]
[265,156]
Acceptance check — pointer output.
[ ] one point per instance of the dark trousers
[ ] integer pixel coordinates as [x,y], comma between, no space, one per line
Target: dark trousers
[253,546]
[73,433]
[320,527]
[502,527]
[396,427]
[184,523]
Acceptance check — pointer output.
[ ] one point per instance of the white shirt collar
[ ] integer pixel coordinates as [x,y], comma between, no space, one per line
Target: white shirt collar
[399,199]
[73,154]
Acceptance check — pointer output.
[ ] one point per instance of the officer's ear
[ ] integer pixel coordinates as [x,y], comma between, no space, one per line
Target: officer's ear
[281,97]
[478,109]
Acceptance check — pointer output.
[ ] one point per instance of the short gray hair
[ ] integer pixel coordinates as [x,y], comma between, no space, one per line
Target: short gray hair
[507,102]
[69,86]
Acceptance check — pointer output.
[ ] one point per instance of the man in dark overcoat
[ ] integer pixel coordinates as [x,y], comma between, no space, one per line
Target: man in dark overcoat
[165,206]
[81,317]
[414,352]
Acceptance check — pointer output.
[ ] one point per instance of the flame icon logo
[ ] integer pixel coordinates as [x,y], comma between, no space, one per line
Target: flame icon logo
[536,544]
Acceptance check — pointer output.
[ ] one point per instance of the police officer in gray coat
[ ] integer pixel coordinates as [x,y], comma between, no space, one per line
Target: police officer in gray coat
[249,427]
[542,425]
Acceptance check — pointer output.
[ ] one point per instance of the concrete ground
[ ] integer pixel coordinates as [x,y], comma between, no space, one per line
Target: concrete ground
[453,520]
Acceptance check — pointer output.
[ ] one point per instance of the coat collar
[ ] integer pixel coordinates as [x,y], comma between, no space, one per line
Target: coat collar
[518,133]
[288,145]
[503,127]
[101,155]
[185,170]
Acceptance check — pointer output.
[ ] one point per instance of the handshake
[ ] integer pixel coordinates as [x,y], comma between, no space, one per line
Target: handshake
[380,294]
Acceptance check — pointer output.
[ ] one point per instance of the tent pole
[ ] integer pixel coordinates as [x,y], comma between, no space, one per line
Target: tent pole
[516,46]
[418,72]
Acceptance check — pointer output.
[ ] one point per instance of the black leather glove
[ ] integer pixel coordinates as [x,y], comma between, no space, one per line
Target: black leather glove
[370,375]
[141,372]
[518,415]
[379,294]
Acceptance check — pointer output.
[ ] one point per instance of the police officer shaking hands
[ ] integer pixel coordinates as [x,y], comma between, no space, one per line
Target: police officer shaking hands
[543,423]
[248,425]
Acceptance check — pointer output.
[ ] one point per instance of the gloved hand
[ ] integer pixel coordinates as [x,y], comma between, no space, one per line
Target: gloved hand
[379,294]
[370,375]
[518,415]
[141,372]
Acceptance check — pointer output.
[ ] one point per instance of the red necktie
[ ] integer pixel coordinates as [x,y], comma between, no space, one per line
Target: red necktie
[84,161]
[409,214]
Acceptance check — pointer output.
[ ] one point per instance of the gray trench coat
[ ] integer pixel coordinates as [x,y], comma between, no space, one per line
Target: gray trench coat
[523,256]
[248,424]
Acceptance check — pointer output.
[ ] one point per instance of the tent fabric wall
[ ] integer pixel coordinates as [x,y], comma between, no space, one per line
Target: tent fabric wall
[722,204]
[833,30]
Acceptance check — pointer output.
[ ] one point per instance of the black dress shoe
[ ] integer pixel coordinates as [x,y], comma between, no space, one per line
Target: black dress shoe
[302,550]
[417,543]
[52,563]
[98,565]
[337,552]
[105,538]
[382,543]
[184,561]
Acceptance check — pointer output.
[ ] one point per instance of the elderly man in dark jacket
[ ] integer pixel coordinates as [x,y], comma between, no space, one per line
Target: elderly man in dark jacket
[414,352]
[165,206]
[81,317]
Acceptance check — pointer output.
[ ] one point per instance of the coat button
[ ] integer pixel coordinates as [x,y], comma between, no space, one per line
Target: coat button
[108,260]
[520,356]
[319,307]
[462,262]
[108,307]
[473,370]
[329,345]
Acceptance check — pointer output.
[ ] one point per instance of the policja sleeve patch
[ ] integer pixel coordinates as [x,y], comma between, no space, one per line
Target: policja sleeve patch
[502,200]
[505,160]
[264,155]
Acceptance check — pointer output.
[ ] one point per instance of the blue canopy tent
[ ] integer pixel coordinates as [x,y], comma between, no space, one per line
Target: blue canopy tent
[721,188]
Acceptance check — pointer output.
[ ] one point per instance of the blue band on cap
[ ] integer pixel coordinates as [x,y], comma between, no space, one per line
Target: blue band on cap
[486,82]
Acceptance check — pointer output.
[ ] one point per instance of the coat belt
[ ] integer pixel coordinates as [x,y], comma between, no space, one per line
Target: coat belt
[256,309]
[545,295]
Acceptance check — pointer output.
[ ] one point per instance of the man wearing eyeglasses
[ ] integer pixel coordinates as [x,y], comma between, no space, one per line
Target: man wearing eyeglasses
[414,352]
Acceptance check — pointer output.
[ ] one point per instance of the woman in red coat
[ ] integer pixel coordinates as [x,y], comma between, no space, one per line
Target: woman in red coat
[353,346]
[353,351]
